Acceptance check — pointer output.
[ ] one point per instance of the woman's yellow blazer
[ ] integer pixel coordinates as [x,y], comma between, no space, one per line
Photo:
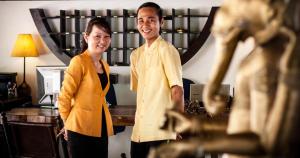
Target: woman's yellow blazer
[81,98]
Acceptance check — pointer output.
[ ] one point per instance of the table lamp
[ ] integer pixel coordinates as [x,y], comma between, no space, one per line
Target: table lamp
[24,47]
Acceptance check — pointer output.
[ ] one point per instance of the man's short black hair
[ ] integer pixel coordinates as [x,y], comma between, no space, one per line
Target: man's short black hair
[152,5]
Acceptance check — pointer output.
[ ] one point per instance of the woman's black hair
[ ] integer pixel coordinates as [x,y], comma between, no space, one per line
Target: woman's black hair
[98,22]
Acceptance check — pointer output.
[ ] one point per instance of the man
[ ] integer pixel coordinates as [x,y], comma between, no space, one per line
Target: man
[156,76]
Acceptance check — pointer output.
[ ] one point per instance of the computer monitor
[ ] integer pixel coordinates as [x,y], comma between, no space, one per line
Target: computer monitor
[49,81]
[196,91]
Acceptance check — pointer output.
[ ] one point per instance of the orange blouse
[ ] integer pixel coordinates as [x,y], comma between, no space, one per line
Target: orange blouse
[81,98]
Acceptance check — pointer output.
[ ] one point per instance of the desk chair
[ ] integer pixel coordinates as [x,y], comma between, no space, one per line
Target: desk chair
[33,140]
[112,100]
[186,88]
[31,132]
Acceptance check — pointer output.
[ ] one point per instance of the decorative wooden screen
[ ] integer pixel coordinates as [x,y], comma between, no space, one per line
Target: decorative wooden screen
[66,42]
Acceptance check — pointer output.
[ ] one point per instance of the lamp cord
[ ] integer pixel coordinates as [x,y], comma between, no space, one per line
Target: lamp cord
[24,72]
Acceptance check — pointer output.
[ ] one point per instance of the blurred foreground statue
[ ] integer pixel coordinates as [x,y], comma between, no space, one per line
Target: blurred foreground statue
[265,116]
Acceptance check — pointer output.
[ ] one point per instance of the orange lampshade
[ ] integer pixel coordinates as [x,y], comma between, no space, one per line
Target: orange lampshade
[24,47]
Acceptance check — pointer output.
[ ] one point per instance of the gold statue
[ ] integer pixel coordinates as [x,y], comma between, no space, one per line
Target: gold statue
[264,120]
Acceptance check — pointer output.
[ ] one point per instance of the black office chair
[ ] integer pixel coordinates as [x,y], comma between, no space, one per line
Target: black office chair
[111,96]
[33,140]
[112,100]
[186,88]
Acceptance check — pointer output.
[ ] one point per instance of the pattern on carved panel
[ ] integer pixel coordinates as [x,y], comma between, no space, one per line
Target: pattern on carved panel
[66,44]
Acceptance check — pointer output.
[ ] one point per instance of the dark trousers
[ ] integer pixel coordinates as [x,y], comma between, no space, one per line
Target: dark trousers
[141,150]
[82,146]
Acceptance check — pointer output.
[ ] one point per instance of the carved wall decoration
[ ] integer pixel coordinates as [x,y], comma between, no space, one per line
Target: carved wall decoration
[65,43]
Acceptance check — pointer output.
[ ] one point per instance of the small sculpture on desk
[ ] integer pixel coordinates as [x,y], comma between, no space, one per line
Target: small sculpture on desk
[192,107]
[11,90]
[264,120]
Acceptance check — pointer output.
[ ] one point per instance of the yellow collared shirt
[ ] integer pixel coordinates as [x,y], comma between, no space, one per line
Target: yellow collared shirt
[153,71]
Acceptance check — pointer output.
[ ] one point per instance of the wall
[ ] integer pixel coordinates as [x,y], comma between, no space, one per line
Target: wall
[15,18]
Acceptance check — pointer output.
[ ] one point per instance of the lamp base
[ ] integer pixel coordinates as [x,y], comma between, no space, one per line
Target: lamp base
[24,90]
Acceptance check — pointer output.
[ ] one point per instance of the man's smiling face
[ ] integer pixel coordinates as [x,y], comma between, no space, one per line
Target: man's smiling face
[148,24]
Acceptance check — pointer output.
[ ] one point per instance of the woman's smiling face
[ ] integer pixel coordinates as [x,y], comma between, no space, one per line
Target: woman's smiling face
[98,40]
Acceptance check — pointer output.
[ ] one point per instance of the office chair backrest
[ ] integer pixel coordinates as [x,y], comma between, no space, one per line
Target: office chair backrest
[111,96]
[186,88]
[112,99]
[33,140]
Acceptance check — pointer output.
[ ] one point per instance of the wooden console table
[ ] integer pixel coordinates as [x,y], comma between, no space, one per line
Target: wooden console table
[41,125]
[31,132]
[122,115]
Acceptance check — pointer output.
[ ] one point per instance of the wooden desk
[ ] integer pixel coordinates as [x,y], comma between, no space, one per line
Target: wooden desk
[32,115]
[122,115]
[32,132]
[43,123]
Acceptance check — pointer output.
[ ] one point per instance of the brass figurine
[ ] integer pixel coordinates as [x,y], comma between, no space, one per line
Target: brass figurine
[264,120]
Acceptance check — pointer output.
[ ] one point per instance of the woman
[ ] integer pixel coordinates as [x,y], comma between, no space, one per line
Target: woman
[82,104]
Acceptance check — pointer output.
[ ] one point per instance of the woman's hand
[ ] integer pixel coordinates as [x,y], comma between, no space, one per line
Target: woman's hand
[64,132]
[66,135]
